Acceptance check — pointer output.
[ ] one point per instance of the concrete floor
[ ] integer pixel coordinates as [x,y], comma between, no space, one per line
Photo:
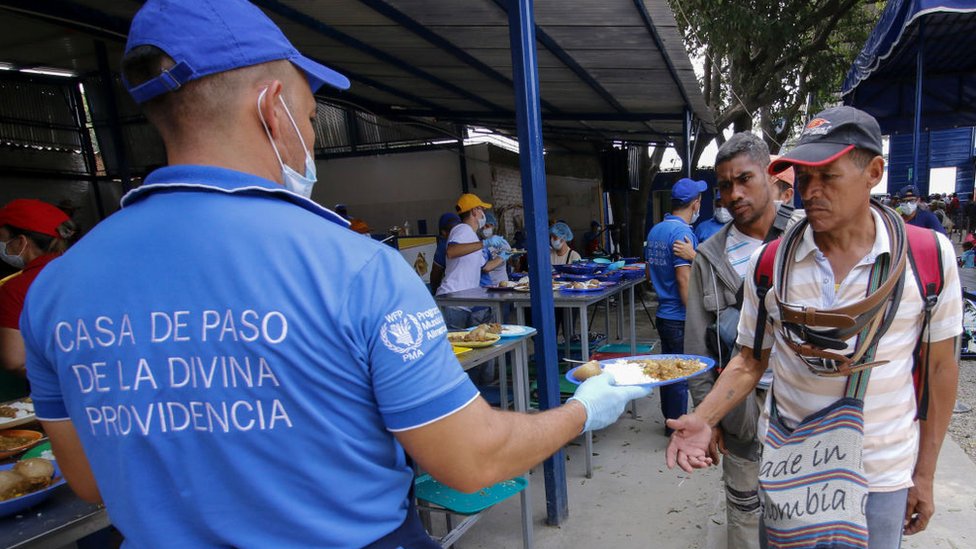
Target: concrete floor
[635,501]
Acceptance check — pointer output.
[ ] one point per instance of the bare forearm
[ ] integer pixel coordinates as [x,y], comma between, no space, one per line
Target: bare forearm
[459,250]
[943,380]
[492,264]
[732,387]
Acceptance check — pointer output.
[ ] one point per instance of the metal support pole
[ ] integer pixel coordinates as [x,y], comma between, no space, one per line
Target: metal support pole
[917,131]
[686,130]
[87,148]
[462,159]
[118,142]
[521,31]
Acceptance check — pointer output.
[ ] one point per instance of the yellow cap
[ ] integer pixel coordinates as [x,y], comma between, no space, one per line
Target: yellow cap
[468,202]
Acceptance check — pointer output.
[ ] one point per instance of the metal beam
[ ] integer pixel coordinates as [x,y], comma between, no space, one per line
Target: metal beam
[525,70]
[421,30]
[118,141]
[87,147]
[558,117]
[372,151]
[649,23]
[310,22]
[72,15]
[917,127]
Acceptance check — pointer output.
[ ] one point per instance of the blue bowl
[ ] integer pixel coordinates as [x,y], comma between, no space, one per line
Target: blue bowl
[575,277]
[579,268]
[632,260]
[15,505]
[612,276]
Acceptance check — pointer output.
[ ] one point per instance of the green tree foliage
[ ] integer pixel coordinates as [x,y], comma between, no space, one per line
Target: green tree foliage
[764,59]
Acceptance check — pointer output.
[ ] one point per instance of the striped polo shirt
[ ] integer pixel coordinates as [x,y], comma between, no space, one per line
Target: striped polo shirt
[890,431]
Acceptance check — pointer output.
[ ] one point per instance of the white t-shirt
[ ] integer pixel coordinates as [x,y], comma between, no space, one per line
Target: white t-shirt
[462,273]
[739,248]
[571,256]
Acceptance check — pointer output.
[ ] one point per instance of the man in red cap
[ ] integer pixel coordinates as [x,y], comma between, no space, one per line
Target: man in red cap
[32,233]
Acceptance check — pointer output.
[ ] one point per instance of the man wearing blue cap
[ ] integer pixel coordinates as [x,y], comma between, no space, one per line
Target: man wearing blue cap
[912,214]
[254,374]
[670,273]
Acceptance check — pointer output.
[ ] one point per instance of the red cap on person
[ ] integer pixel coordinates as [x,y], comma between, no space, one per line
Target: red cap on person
[33,215]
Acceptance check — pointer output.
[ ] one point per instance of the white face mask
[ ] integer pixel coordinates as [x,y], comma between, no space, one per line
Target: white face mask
[722,215]
[556,244]
[487,232]
[482,220]
[694,216]
[15,261]
[907,208]
[293,181]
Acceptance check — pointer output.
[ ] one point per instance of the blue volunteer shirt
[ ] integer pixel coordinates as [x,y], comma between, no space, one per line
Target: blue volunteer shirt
[926,219]
[235,362]
[707,228]
[485,277]
[661,263]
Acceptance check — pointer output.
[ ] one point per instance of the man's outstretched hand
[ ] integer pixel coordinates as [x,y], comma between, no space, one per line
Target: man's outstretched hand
[690,443]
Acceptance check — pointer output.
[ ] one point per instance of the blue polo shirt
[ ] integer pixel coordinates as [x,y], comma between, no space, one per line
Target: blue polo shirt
[235,362]
[707,228]
[927,219]
[661,262]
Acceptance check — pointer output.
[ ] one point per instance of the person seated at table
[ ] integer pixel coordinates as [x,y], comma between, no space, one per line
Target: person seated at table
[447,222]
[968,258]
[32,234]
[591,239]
[559,237]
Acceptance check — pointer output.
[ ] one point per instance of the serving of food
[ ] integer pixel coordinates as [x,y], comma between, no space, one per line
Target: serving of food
[15,441]
[591,285]
[481,336]
[16,412]
[25,477]
[644,369]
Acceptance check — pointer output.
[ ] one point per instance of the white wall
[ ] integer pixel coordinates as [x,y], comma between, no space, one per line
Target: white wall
[390,189]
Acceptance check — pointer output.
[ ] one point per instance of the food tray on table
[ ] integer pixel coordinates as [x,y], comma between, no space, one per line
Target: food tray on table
[579,268]
[22,410]
[15,441]
[14,505]
[708,364]
[514,330]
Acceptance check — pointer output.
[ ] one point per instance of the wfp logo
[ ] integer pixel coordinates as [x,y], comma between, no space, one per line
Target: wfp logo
[401,333]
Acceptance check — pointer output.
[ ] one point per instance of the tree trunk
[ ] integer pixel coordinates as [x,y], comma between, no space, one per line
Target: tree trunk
[637,201]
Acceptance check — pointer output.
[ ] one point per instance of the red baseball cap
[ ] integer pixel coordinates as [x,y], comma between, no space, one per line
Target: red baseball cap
[32,215]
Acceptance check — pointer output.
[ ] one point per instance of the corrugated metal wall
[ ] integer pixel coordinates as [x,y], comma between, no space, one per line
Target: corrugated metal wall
[949,148]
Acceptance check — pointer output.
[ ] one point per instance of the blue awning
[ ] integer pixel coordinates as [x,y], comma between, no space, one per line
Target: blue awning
[882,78]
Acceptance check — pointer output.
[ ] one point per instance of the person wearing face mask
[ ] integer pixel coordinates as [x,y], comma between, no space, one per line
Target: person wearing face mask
[466,258]
[500,249]
[32,234]
[560,235]
[912,214]
[669,274]
[715,223]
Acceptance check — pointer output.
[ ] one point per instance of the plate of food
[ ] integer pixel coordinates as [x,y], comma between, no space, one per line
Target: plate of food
[484,335]
[15,441]
[26,483]
[591,285]
[647,370]
[16,412]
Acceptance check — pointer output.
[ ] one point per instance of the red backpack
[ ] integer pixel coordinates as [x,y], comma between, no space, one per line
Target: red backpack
[925,256]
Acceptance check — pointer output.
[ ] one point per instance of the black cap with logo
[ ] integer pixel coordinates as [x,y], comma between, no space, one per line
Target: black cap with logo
[830,135]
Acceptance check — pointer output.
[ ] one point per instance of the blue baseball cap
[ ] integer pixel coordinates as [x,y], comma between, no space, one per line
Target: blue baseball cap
[686,190]
[205,37]
[908,191]
[448,221]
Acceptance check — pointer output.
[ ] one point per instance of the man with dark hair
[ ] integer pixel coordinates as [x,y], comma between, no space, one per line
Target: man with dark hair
[909,209]
[712,315]
[669,274]
[847,255]
[253,373]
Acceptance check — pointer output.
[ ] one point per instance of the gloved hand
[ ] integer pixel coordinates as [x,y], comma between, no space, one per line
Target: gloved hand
[505,254]
[604,401]
[494,242]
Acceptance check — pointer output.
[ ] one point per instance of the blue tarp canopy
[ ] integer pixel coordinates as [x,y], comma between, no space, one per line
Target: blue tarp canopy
[883,78]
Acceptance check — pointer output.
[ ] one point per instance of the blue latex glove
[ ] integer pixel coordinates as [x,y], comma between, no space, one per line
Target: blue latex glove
[494,242]
[604,401]
[504,254]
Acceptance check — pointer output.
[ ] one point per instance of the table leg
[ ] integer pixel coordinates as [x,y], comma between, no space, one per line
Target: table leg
[633,321]
[620,316]
[503,381]
[606,317]
[520,382]
[585,349]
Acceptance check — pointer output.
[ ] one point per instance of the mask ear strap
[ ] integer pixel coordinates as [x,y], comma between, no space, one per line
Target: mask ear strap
[265,125]
[294,124]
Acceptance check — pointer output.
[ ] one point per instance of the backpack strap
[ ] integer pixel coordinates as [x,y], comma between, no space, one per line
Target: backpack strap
[763,277]
[925,256]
